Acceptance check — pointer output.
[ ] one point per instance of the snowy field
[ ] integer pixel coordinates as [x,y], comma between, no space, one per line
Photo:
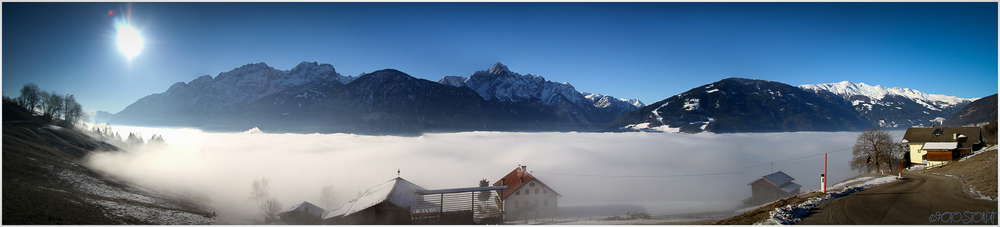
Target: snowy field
[659,173]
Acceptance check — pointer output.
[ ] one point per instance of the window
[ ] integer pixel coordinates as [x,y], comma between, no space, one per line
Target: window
[545,191]
[517,204]
[546,203]
[518,192]
[536,190]
[532,184]
[527,191]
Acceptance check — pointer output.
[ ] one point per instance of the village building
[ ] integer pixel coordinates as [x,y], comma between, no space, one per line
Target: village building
[399,202]
[303,214]
[772,187]
[336,217]
[940,145]
[385,204]
[526,197]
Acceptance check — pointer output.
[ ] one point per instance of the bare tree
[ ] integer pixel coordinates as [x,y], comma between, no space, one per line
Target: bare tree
[874,148]
[72,111]
[30,96]
[272,207]
[260,193]
[326,197]
[53,105]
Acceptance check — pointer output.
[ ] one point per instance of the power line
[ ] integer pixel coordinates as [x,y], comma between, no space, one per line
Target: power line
[688,175]
[802,157]
[639,176]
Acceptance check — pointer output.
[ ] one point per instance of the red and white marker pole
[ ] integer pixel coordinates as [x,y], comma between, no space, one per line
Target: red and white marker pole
[824,173]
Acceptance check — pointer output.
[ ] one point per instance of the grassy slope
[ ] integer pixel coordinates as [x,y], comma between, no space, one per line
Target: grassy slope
[978,172]
[35,153]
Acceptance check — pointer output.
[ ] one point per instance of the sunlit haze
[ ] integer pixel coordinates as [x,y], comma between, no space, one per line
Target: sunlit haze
[585,168]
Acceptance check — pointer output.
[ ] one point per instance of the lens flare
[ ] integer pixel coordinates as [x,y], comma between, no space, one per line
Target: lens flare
[129,40]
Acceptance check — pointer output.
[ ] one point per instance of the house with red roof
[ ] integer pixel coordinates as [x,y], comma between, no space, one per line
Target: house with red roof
[526,197]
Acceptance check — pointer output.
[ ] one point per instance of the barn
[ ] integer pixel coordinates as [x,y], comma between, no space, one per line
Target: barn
[385,204]
[526,197]
[303,214]
[772,187]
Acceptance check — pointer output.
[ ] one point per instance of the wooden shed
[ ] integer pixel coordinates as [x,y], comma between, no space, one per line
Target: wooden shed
[385,204]
[303,214]
[772,187]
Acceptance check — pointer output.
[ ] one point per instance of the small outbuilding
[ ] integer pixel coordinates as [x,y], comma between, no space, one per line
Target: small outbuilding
[772,187]
[303,214]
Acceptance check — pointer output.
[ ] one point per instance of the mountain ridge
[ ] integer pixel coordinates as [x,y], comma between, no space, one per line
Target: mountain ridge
[255,95]
[894,107]
[735,105]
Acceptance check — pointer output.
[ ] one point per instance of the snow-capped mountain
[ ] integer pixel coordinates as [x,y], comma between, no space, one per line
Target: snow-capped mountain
[741,105]
[893,107]
[452,80]
[500,84]
[612,105]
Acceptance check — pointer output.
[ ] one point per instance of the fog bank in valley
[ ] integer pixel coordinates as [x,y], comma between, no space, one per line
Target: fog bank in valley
[667,173]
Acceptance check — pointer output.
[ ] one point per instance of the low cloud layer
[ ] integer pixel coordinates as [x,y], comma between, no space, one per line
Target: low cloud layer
[667,173]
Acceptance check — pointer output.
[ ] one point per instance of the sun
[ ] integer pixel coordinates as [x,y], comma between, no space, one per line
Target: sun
[129,40]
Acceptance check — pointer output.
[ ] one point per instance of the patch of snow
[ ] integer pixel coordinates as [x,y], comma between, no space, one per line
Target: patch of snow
[691,104]
[790,214]
[993,148]
[712,91]
[151,214]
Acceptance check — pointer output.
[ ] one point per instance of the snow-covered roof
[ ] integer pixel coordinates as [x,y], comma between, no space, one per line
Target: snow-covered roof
[397,191]
[339,212]
[790,187]
[308,208]
[777,178]
[940,146]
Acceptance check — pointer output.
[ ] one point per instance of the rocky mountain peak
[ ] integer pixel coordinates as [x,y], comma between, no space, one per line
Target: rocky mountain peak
[498,68]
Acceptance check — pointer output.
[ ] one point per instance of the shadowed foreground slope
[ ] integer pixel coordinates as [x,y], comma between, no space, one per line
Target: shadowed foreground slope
[44,181]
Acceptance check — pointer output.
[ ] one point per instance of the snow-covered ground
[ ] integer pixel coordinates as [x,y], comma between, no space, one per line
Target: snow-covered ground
[980,151]
[129,201]
[791,214]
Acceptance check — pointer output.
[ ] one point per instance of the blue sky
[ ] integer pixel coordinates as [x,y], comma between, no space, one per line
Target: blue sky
[649,51]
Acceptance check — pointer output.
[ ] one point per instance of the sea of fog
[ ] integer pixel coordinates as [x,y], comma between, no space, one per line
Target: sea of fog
[662,173]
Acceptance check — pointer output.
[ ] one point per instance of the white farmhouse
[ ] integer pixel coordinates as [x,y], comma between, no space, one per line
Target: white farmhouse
[526,196]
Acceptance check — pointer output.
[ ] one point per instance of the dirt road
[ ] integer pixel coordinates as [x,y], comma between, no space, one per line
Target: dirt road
[918,199]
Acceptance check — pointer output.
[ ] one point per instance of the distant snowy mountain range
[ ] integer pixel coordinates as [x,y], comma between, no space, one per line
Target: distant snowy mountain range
[894,107]
[314,98]
[748,105]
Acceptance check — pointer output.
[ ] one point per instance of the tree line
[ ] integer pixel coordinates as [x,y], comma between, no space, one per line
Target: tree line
[50,105]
